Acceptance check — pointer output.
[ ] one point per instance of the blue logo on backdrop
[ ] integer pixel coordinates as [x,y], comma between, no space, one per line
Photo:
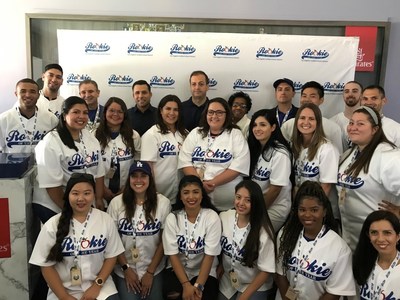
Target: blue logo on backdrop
[87,246]
[350,182]
[313,270]
[269,52]
[76,79]
[96,47]
[139,48]
[161,81]
[212,82]
[309,54]
[226,51]
[15,138]
[333,87]
[245,84]
[120,80]
[297,85]
[182,49]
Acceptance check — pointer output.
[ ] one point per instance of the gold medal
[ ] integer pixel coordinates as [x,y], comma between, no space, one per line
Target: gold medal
[291,293]
[342,196]
[234,279]
[111,172]
[76,278]
[135,254]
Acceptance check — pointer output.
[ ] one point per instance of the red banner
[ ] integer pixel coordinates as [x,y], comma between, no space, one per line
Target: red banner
[5,244]
[366,46]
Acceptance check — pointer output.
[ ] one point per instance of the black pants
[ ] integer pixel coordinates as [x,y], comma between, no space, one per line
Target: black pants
[172,284]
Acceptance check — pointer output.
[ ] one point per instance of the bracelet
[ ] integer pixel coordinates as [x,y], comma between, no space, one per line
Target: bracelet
[151,273]
[185,282]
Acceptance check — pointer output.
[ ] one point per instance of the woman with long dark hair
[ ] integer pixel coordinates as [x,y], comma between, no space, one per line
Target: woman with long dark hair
[368,173]
[191,240]
[161,145]
[78,248]
[376,261]
[271,165]
[217,153]
[120,145]
[248,245]
[140,213]
[314,262]
[66,149]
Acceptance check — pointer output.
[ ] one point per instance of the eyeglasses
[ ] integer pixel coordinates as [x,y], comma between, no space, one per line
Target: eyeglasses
[82,175]
[114,111]
[218,113]
[237,105]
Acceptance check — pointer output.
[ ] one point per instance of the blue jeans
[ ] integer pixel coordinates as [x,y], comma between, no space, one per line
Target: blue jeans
[155,294]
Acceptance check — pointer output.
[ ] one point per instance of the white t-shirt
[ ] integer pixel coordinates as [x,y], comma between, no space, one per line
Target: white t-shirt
[392,130]
[323,169]
[332,132]
[343,122]
[55,106]
[56,162]
[124,155]
[101,241]
[390,290]
[16,131]
[328,268]
[207,237]
[365,192]
[277,172]
[227,151]
[244,124]
[163,150]
[265,261]
[148,234]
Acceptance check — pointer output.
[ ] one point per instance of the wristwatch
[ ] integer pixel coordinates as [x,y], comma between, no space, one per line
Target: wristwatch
[124,267]
[199,286]
[99,281]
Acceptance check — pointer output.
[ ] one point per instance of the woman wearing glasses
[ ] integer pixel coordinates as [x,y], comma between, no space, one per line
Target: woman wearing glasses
[240,104]
[161,145]
[120,144]
[217,153]
[77,249]
[66,149]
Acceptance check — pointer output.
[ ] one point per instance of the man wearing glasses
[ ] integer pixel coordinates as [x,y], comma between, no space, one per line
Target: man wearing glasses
[240,105]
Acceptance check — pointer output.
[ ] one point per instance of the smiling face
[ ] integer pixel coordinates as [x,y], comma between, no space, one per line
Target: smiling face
[239,108]
[81,198]
[27,94]
[242,202]
[352,94]
[307,123]
[262,129]
[191,196]
[52,80]
[139,182]
[310,95]
[170,113]
[89,93]
[216,116]
[114,115]
[77,117]
[373,98]
[383,237]
[311,215]
[142,96]
[360,129]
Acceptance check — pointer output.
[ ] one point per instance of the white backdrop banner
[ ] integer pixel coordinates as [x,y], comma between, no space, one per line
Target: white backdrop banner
[233,62]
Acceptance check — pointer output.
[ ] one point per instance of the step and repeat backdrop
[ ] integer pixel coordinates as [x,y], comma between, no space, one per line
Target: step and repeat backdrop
[233,62]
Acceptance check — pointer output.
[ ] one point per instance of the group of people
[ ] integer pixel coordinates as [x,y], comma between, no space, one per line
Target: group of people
[289,186]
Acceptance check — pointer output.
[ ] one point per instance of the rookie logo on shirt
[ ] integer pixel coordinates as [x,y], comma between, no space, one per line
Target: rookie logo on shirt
[365,294]
[313,270]
[217,156]
[87,246]
[142,229]
[195,247]
[227,248]
[349,182]
[166,149]
[309,170]
[78,162]
[262,174]
[15,138]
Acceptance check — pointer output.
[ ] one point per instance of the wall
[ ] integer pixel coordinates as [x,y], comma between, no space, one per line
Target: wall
[13,51]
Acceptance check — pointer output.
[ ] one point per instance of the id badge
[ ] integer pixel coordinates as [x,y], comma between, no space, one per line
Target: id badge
[291,293]
[200,172]
[111,172]
[342,196]
[135,255]
[234,279]
[76,277]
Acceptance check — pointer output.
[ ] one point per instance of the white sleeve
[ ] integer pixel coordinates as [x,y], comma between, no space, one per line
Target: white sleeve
[185,154]
[328,163]
[287,130]
[149,146]
[241,154]
[281,168]
[114,245]
[213,234]
[266,254]
[137,143]
[169,237]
